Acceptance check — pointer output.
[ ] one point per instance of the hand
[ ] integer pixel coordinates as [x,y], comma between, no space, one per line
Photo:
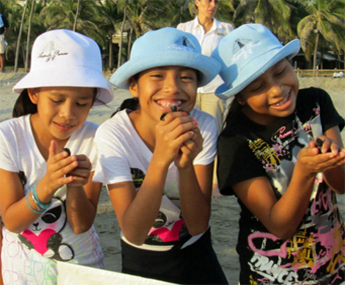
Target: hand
[81,173]
[313,161]
[59,164]
[189,150]
[173,133]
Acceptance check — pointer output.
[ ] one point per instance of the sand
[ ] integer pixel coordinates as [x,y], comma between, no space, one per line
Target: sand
[225,211]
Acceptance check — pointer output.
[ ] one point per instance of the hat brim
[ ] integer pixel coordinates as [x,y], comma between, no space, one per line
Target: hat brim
[256,68]
[207,66]
[69,76]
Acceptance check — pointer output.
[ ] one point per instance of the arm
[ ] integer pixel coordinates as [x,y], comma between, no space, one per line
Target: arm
[195,186]
[137,212]
[81,205]
[14,203]
[282,217]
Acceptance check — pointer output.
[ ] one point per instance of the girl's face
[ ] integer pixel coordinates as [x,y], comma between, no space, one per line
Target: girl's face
[60,110]
[160,88]
[272,95]
[207,8]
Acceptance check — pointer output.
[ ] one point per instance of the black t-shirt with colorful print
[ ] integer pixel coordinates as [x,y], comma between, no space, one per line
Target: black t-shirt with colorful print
[316,253]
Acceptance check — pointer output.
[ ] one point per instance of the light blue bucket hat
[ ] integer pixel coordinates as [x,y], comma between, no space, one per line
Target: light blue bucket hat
[165,47]
[246,53]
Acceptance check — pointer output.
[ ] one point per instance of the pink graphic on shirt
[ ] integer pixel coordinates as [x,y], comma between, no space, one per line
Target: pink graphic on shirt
[39,241]
[167,235]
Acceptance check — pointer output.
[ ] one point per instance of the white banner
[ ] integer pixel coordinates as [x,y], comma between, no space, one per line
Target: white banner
[83,275]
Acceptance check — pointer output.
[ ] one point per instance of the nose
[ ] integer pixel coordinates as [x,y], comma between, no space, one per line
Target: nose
[275,90]
[171,84]
[67,111]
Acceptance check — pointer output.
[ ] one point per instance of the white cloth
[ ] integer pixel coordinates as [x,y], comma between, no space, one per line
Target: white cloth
[124,156]
[208,42]
[21,265]
[70,274]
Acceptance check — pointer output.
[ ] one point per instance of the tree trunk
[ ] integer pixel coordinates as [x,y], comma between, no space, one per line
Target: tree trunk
[121,35]
[19,37]
[315,51]
[26,66]
[76,16]
[129,43]
[111,60]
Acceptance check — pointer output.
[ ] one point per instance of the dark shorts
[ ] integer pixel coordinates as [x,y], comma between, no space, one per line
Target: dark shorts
[195,264]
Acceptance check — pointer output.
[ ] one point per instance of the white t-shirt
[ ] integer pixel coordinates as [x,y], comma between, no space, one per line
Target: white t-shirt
[28,257]
[123,156]
[208,42]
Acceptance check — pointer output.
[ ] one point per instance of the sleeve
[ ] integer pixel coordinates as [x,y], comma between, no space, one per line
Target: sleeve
[112,165]
[236,162]
[329,114]
[7,149]
[209,129]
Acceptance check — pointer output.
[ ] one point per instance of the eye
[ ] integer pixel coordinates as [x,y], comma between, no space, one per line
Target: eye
[256,87]
[281,71]
[56,101]
[82,104]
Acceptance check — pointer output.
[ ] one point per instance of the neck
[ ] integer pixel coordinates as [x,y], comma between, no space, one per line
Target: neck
[205,22]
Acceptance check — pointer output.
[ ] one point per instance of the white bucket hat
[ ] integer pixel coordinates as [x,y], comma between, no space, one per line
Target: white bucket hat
[246,53]
[164,47]
[66,58]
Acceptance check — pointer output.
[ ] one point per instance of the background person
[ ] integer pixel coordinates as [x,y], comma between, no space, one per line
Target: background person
[4,32]
[209,31]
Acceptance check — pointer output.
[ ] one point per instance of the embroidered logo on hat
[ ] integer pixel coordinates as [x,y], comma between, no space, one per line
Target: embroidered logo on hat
[51,51]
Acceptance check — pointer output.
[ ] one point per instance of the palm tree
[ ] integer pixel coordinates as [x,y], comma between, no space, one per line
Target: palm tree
[61,14]
[19,37]
[76,16]
[325,22]
[274,14]
[109,21]
[28,36]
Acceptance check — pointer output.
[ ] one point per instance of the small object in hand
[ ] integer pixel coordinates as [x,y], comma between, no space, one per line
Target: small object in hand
[319,142]
[173,108]
[66,150]
[163,116]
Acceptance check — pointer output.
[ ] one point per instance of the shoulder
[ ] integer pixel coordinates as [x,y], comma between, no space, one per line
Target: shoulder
[224,26]
[116,125]
[204,119]
[89,127]
[312,96]
[15,123]
[186,25]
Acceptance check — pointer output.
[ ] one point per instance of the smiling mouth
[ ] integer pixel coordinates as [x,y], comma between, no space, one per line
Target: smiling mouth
[281,102]
[65,127]
[168,104]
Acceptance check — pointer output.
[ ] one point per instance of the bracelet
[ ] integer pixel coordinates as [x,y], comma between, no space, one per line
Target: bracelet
[32,209]
[41,206]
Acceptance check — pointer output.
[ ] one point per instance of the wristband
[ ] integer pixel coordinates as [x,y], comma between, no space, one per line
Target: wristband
[32,209]
[41,206]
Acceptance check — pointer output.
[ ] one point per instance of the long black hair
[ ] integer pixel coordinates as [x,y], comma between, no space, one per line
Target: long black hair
[23,105]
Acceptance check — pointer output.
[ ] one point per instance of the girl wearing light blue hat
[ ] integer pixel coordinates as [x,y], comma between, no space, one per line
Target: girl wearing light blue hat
[157,161]
[281,154]
[48,200]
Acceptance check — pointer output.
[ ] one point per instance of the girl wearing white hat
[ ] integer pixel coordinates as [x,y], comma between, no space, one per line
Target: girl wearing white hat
[47,198]
[157,161]
[282,155]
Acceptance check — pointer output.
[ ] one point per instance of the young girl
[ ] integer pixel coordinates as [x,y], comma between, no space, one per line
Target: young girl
[157,161]
[291,231]
[47,198]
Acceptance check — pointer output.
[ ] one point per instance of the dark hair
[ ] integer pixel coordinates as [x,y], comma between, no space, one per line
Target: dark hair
[234,108]
[23,105]
[130,103]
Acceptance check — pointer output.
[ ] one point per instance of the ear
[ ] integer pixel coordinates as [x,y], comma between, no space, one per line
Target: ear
[133,87]
[33,95]
[240,100]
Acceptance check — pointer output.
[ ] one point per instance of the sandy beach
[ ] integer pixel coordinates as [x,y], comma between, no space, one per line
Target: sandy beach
[225,212]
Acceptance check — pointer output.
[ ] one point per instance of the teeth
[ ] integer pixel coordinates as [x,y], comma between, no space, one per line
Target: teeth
[171,104]
[281,102]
